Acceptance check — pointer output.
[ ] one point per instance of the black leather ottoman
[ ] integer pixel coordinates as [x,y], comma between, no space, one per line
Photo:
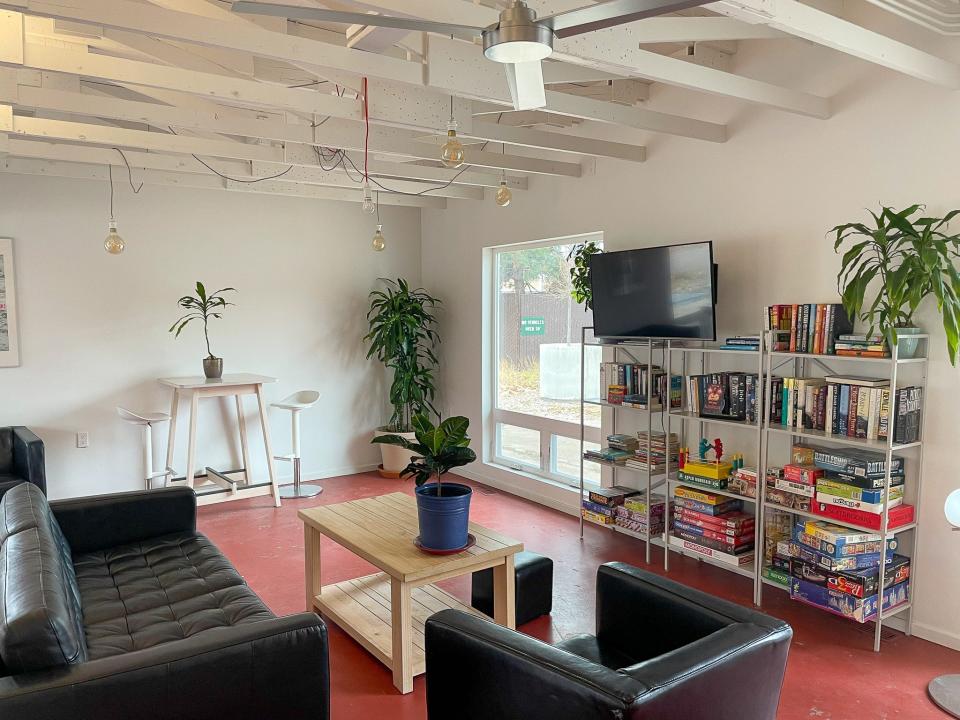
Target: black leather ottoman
[534,587]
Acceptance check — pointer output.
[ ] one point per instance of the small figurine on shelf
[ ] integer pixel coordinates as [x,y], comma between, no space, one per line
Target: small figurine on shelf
[717,448]
[715,469]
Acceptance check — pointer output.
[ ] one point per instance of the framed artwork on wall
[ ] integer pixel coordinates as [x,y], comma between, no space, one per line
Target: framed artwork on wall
[9,339]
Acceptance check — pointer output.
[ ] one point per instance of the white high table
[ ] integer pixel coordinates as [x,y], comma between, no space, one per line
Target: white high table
[217,485]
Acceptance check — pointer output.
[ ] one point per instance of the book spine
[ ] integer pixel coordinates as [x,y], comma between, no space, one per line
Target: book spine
[852,412]
[818,330]
[829,410]
[863,409]
[793,328]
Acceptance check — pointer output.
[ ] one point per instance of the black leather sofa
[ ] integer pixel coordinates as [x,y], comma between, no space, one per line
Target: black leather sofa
[21,458]
[662,651]
[115,607]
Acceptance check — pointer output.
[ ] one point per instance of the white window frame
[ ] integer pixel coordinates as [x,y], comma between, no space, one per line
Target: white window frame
[547,427]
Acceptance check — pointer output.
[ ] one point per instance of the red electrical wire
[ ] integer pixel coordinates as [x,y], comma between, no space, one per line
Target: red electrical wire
[366,122]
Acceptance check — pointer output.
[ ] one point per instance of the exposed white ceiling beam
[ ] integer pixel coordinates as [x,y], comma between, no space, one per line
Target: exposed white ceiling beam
[53,168]
[700,29]
[830,31]
[568,143]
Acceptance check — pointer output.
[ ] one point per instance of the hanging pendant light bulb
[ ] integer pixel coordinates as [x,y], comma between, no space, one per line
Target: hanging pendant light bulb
[504,194]
[452,153]
[114,243]
[368,205]
[379,241]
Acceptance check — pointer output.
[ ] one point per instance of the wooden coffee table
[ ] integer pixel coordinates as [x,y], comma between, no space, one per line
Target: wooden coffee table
[386,612]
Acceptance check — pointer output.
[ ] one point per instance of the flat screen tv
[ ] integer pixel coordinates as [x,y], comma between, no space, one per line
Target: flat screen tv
[660,292]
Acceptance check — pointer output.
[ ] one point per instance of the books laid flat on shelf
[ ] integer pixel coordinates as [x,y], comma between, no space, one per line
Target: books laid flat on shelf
[728,395]
[746,343]
[653,459]
[847,406]
[609,456]
[854,345]
[844,605]
[807,328]
[623,442]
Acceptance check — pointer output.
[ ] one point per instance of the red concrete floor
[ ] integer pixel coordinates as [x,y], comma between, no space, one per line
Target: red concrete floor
[833,673]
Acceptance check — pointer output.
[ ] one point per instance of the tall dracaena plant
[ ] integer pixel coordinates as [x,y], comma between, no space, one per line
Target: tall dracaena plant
[910,258]
[402,337]
[201,307]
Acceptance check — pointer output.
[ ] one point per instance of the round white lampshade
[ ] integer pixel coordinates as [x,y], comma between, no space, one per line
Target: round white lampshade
[951,508]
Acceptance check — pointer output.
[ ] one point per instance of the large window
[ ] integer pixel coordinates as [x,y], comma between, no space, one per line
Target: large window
[536,346]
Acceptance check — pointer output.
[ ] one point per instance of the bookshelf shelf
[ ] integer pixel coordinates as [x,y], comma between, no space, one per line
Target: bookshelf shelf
[604,403]
[850,358]
[691,416]
[712,349]
[877,445]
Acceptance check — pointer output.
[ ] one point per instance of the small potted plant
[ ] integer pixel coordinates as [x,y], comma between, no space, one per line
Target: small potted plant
[204,307]
[910,258]
[443,508]
[580,288]
[403,338]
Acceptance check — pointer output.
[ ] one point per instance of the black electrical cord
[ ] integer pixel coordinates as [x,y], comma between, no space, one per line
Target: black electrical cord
[249,181]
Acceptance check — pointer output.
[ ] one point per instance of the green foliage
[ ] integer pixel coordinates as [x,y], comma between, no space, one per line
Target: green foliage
[522,267]
[201,307]
[403,338]
[438,448]
[911,258]
[580,272]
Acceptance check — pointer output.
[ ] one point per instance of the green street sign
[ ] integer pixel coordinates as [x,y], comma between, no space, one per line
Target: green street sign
[533,325]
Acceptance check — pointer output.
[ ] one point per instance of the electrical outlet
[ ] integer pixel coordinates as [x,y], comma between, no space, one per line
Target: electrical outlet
[83,439]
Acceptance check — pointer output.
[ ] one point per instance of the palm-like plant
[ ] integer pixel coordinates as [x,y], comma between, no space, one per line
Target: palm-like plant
[402,337]
[201,307]
[911,258]
[438,448]
[581,290]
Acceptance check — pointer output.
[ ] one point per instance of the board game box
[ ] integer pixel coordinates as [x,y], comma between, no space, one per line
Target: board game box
[847,490]
[859,583]
[802,534]
[851,562]
[699,480]
[596,517]
[731,505]
[856,462]
[612,495]
[859,609]
[691,546]
[806,474]
[898,516]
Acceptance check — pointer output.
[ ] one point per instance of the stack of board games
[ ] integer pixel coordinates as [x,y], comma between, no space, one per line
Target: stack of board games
[838,570]
[807,328]
[655,458]
[778,528]
[851,487]
[743,481]
[600,503]
[632,515]
[728,395]
[850,406]
[712,525]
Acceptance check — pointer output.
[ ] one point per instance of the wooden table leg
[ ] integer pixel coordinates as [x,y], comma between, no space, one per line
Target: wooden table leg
[311,550]
[504,594]
[171,437]
[192,441]
[244,447]
[402,626]
[265,425]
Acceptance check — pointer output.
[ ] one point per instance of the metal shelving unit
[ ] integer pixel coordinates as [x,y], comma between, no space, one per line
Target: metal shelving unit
[652,480]
[801,366]
[690,353]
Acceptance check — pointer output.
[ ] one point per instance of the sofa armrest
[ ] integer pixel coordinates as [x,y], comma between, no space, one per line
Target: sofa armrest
[478,670]
[274,669]
[104,521]
[28,458]
[673,615]
[714,667]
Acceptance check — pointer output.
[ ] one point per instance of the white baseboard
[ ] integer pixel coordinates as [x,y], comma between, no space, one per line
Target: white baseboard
[311,474]
[526,488]
[935,635]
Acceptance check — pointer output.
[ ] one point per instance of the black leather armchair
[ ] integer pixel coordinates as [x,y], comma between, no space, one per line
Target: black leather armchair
[662,651]
[139,616]
[21,458]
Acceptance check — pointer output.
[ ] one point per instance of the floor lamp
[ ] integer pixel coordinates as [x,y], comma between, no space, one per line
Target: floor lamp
[945,690]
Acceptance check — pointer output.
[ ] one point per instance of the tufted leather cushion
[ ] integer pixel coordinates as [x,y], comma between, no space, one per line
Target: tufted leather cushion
[143,594]
[40,616]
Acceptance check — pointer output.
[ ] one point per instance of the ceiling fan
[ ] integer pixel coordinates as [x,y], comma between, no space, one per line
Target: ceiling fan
[518,40]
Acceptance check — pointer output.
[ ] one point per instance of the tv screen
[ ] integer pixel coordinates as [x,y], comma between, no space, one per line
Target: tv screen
[660,292]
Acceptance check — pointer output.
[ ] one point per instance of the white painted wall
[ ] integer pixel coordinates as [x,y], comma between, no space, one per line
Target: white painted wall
[766,198]
[94,327]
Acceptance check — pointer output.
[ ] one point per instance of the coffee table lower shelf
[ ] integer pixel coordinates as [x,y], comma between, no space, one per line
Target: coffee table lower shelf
[362,608]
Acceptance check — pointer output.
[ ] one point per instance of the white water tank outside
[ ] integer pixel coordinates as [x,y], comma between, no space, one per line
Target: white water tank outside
[559,371]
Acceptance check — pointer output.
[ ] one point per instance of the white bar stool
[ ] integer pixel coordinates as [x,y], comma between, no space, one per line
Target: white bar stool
[147,420]
[297,403]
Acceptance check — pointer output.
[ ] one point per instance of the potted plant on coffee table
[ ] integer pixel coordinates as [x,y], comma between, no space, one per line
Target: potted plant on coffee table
[908,257]
[443,509]
[403,338]
[204,307]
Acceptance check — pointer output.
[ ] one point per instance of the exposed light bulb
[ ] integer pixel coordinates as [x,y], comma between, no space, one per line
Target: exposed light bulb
[504,194]
[379,241]
[452,151]
[369,206]
[114,243]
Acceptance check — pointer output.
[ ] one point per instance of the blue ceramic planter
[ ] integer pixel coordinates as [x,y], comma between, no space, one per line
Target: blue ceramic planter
[444,520]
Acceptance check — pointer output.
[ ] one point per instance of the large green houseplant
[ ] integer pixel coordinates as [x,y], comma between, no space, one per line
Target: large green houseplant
[907,256]
[204,307]
[443,508]
[580,289]
[403,337]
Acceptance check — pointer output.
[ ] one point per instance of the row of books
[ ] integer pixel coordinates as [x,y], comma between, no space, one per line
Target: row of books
[807,328]
[838,570]
[631,383]
[730,395]
[846,405]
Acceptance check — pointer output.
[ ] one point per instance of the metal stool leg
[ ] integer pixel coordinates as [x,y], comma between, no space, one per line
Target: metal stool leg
[297,490]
